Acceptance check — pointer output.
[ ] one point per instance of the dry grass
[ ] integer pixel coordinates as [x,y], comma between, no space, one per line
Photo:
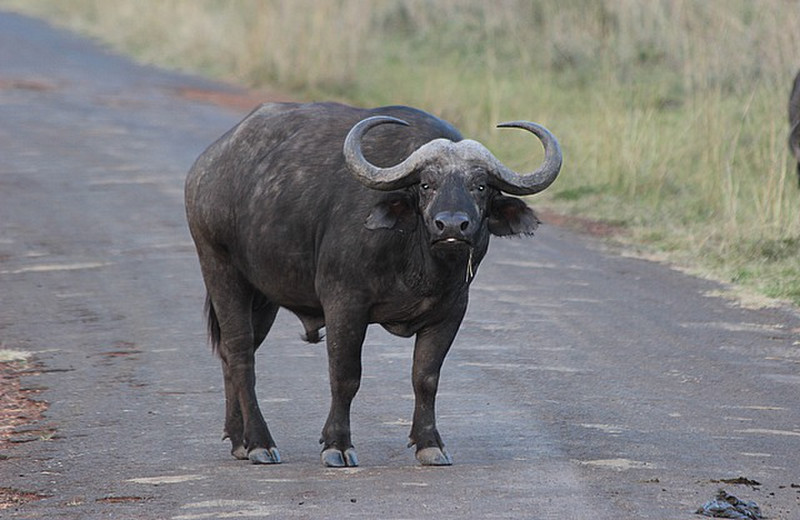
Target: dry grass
[672,113]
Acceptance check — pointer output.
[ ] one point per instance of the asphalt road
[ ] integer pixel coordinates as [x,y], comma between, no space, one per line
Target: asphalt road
[583,385]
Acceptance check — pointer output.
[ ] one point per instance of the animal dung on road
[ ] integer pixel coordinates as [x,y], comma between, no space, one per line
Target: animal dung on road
[725,505]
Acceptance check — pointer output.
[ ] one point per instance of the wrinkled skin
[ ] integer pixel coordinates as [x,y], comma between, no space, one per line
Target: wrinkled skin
[278,221]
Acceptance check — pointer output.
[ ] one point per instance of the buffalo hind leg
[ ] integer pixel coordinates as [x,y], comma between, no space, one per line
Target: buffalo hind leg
[263,316]
[234,423]
[231,313]
[345,336]
[430,348]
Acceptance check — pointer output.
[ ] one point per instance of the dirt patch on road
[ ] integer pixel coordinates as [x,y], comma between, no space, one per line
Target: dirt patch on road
[18,406]
[10,497]
[583,225]
[26,84]
[18,410]
[244,100]
[120,500]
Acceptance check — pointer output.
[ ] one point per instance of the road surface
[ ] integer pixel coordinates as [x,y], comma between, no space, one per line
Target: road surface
[583,385]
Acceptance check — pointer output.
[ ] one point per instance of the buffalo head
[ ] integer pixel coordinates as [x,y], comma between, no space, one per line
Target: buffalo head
[454,186]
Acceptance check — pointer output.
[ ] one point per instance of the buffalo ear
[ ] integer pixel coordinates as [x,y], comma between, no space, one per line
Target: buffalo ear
[511,216]
[393,212]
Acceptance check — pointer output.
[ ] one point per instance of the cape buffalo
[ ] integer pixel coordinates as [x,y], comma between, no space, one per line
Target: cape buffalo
[794,122]
[346,217]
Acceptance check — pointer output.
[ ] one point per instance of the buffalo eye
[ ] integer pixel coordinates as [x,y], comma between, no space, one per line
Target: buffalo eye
[425,186]
[480,187]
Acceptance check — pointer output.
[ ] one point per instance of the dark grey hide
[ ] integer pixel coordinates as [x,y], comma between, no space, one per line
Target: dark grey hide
[794,122]
[281,218]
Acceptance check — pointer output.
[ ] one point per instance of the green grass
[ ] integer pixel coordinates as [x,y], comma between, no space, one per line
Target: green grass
[671,113]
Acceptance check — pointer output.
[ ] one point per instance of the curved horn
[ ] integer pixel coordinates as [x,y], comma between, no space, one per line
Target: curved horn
[509,181]
[393,177]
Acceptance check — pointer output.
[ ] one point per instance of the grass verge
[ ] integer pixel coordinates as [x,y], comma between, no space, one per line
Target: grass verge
[671,113]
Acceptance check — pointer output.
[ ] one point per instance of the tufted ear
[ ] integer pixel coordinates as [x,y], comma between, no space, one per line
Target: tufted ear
[393,212]
[511,216]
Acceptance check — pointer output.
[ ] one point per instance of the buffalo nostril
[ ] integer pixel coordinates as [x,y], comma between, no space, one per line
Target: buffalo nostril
[451,222]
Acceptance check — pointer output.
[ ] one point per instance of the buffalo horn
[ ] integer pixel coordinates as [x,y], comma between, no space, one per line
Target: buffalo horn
[395,177]
[407,172]
[509,181]
[368,174]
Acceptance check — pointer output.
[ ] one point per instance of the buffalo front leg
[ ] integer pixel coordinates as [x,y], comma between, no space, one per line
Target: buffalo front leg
[345,337]
[430,349]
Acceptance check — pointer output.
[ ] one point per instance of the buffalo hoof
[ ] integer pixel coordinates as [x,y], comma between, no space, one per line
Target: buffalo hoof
[240,452]
[433,456]
[334,458]
[264,456]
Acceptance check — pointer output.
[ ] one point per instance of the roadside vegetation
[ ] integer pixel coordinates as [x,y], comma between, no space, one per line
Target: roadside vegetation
[671,113]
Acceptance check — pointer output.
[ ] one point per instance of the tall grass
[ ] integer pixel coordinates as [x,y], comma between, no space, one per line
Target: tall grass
[671,113]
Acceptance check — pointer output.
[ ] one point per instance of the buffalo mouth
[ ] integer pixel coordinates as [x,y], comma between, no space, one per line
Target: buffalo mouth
[451,242]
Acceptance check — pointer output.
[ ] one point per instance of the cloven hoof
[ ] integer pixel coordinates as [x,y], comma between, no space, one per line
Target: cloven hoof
[334,458]
[434,456]
[240,452]
[264,456]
